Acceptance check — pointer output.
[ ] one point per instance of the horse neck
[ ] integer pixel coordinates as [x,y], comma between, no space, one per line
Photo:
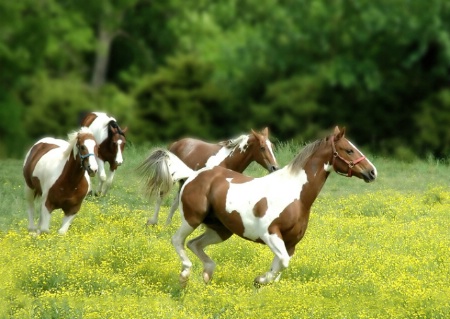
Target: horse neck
[317,175]
[238,161]
[72,172]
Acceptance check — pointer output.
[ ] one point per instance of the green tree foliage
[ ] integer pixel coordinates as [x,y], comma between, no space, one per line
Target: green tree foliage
[215,68]
[176,99]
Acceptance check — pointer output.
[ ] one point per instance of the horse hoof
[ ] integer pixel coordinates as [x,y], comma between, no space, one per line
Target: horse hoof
[183,281]
[151,223]
[207,277]
[259,282]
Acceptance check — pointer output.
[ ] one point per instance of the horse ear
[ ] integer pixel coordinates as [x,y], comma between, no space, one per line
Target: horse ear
[339,133]
[265,132]
[125,130]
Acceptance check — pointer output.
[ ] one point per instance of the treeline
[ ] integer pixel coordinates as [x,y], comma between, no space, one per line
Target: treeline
[214,69]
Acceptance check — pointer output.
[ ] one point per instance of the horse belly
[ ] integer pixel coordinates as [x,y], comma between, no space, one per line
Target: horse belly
[260,202]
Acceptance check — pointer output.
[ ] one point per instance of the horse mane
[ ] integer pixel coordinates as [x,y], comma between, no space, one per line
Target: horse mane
[241,142]
[114,124]
[308,150]
[72,139]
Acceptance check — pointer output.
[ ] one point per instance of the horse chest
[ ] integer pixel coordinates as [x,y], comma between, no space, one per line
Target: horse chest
[64,195]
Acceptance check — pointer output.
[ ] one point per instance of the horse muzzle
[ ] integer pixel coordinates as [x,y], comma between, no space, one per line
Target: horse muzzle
[91,171]
[272,168]
[369,175]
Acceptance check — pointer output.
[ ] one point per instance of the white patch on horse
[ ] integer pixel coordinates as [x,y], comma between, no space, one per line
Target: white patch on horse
[327,167]
[119,157]
[219,157]
[51,164]
[90,145]
[225,151]
[99,126]
[269,146]
[244,143]
[243,197]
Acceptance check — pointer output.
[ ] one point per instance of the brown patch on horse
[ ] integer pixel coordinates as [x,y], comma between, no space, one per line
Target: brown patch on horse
[37,151]
[194,153]
[260,208]
[107,150]
[71,187]
[88,119]
[64,195]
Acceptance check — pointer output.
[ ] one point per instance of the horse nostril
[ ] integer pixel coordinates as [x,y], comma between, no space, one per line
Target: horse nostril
[372,174]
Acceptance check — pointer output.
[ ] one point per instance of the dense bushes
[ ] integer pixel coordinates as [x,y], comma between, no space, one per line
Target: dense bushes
[214,69]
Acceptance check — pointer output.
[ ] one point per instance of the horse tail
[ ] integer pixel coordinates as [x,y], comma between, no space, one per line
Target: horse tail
[161,170]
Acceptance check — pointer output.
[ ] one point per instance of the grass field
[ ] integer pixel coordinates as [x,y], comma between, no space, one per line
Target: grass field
[377,250]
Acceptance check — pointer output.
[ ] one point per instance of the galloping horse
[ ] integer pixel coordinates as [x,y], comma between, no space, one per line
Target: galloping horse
[111,142]
[235,154]
[58,171]
[272,210]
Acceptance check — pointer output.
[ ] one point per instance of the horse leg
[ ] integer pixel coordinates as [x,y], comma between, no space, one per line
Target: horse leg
[198,244]
[280,261]
[173,208]
[29,196]
[108,183]
[154,219]
[175,204]
[67,220]
[44,220]
[178,241]
[101,176]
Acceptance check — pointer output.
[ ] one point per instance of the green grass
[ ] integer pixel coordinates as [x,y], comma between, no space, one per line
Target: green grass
[378,250]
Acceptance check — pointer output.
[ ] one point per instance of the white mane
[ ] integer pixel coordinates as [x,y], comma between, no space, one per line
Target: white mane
[72,139]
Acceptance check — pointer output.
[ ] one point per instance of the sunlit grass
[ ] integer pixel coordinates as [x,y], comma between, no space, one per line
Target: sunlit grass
[370,251]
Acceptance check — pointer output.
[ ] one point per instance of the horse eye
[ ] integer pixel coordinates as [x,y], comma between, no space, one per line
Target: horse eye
[262,149]
[83,148]
[349,152]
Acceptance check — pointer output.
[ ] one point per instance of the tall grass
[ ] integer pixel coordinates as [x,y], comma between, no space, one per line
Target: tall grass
[377,250]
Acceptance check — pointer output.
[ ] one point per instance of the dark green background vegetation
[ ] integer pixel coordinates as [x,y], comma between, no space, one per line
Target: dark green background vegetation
[213,69]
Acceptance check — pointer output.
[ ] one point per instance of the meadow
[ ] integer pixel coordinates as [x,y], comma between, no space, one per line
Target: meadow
[378,250]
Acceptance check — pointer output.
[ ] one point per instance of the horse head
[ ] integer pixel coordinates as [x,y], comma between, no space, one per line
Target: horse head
[264,153]
[348,160]
[117,140]
[86,147]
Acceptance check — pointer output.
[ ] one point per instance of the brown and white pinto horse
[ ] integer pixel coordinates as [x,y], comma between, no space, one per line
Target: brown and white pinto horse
[58,171]
[111,142]
[272,210]
[235,154]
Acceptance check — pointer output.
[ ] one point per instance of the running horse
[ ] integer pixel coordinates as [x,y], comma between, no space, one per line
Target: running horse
[58,171]
[111,142]
[272,210]
[235,154]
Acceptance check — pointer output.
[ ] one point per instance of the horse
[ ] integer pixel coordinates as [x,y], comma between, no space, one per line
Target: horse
[235,154]
[58,172]
[111,142]
[272,210]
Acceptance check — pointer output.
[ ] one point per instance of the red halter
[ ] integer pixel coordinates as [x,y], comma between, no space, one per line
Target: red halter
[349,163]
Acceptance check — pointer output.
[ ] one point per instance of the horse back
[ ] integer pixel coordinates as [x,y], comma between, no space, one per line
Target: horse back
[88,119]
[205,193]
[97,123]
[34,155]
[194,153]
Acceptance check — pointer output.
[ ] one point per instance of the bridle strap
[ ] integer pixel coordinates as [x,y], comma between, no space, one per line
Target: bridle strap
[82,157]
[350,164]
